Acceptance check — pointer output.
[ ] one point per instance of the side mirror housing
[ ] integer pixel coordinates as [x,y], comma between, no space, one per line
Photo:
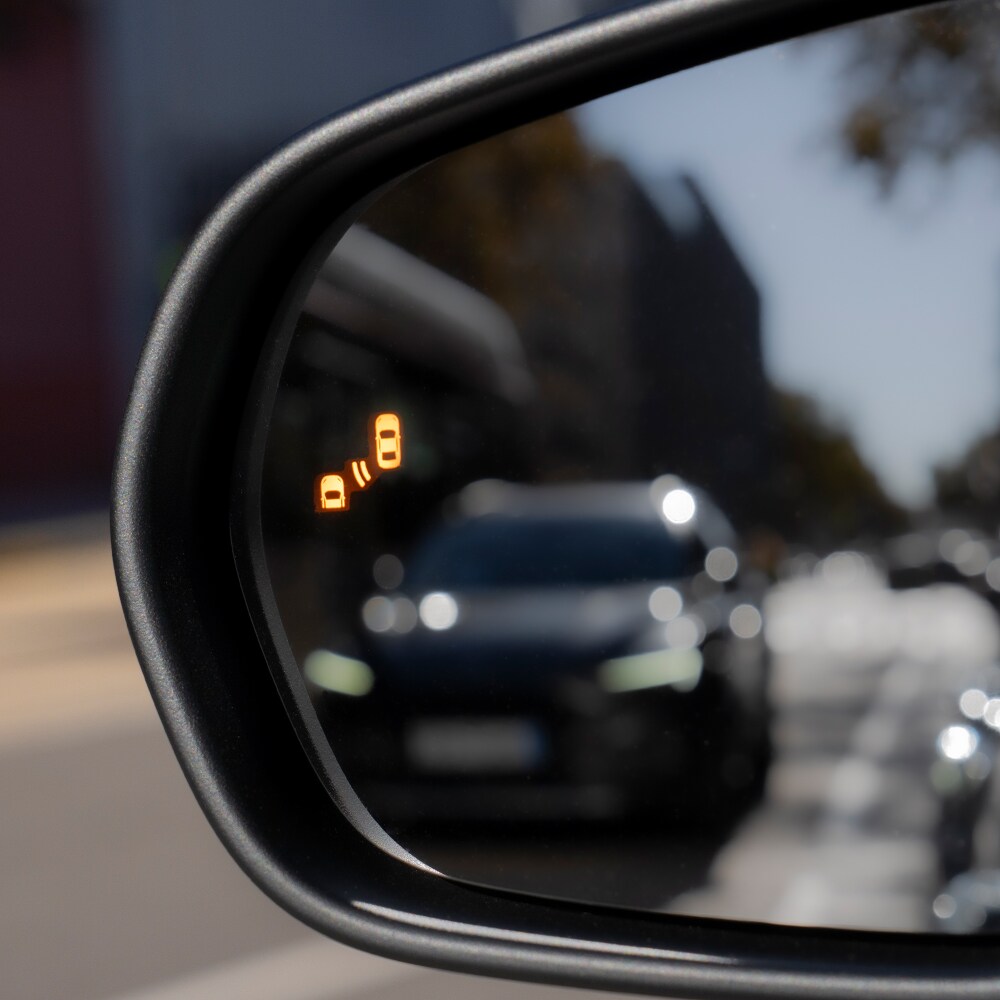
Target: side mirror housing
[206,638]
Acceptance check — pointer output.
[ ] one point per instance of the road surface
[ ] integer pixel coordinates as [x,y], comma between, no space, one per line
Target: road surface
[113,886]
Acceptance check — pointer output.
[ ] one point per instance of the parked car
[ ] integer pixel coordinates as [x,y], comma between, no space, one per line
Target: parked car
[955,555]
[964,776]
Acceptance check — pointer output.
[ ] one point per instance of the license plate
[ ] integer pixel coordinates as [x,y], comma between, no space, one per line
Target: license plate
[475,746]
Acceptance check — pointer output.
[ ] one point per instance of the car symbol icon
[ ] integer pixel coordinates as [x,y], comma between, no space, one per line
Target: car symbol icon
[331,494]
[388,441]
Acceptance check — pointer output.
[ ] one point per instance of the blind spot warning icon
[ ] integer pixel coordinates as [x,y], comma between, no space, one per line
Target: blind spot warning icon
[385,452]
[361,474]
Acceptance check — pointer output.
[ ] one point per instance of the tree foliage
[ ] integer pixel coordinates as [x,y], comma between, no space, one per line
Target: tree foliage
[970,486]
[925,84]
[822,491]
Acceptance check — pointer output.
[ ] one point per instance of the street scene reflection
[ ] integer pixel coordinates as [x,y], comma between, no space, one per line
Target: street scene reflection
[630,507]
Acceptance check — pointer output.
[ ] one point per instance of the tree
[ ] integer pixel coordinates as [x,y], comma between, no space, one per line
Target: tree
[970,486]
[924,84]
[822,491]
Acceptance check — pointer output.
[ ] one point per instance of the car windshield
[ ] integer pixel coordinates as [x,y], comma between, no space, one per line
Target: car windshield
[506,552]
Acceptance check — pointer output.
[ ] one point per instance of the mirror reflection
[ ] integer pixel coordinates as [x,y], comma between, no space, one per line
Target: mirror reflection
[630,492]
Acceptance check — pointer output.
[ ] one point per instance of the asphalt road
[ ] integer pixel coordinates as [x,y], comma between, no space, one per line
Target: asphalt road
[113,886]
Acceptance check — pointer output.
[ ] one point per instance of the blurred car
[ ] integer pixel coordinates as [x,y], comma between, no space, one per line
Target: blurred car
[562,652]
[969,904]
[967,836]
[957,555]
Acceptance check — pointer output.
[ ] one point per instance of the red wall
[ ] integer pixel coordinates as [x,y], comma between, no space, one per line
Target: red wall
[55,433]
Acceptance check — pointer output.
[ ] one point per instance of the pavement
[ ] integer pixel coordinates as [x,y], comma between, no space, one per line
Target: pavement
[113,887]
[112,884]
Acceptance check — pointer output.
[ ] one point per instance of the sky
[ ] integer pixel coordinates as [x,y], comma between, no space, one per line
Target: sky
[886,310]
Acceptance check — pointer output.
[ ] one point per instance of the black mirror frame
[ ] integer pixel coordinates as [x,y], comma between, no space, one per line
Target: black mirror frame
[194,635]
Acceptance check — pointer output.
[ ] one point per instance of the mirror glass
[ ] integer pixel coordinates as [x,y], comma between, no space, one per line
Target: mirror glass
[629,496]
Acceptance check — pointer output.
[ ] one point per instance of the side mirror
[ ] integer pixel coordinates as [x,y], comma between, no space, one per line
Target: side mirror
[499,574]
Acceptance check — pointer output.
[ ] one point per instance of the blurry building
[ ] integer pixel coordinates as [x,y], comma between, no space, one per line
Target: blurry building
[123,123]
[639,323]
[696,330]
[644,328]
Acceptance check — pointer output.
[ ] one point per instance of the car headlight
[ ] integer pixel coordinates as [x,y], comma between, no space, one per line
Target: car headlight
[677,668]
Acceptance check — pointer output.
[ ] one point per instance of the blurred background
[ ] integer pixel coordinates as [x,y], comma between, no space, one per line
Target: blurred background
[122,123]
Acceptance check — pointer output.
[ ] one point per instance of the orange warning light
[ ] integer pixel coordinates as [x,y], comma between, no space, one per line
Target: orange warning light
[333,490]
[361,474]
[331,493]
[388,441]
